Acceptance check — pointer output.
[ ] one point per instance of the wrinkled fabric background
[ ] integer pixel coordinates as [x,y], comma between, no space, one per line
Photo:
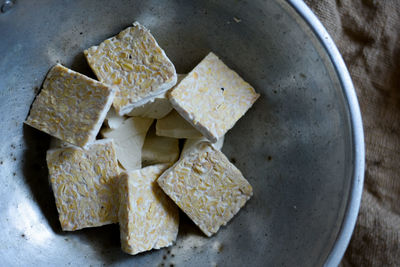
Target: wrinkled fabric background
[367,33]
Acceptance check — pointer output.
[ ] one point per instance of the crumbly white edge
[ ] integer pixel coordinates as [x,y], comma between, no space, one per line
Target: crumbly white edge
[163,95]
[96,142]
[165,87]
[171,133]
[147,110]
[95,130]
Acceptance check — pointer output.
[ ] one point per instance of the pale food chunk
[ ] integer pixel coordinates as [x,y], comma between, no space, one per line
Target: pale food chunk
[135,63]
[191,144]
[157,107]
[129,138]
[70,106]
[159,149]
[173,125]
[212,97]
[147,217]
[113,120]
[207,187]
[85,184]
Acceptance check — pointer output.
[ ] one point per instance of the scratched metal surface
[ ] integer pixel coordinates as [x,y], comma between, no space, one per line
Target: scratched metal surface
[296,146]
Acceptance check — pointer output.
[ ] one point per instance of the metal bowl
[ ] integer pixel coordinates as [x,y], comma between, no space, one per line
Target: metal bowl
[300,146]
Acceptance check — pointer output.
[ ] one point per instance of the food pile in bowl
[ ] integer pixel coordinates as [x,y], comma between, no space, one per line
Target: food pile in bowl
[142,142]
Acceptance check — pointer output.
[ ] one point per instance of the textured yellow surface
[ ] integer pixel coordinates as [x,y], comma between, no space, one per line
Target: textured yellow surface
[207,187]
[147,217]
[70,106]
[173,125]
[135,63]
[85,184]
[212,97]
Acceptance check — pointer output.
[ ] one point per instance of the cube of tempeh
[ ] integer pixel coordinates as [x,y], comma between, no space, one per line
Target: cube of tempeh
[133,61]
[212,97]
[70,106]
[147,217]
[85,184]
[207,187]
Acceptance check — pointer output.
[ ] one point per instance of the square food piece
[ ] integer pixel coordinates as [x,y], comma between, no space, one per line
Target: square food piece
[156,108]
[70,106]
[85,184]
[173,125]
[147,217]
[212,97]
[207,187]
[129,139]
[159,149]
[133,61]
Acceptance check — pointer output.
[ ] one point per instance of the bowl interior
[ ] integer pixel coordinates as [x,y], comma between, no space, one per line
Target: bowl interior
[294,146]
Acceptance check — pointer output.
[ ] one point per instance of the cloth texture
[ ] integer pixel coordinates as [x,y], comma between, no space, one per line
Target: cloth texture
[367,33]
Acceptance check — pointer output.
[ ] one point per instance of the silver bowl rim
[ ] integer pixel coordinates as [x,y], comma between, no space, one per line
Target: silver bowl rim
[354,200]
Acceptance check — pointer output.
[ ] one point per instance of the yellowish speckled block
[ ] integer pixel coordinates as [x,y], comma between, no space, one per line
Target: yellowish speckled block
[85,184]
[206,186]
[70,106]
[147,217]
[136,64]
[212,97]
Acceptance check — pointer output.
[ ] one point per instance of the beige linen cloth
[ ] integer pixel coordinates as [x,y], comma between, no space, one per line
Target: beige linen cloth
[367,33]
